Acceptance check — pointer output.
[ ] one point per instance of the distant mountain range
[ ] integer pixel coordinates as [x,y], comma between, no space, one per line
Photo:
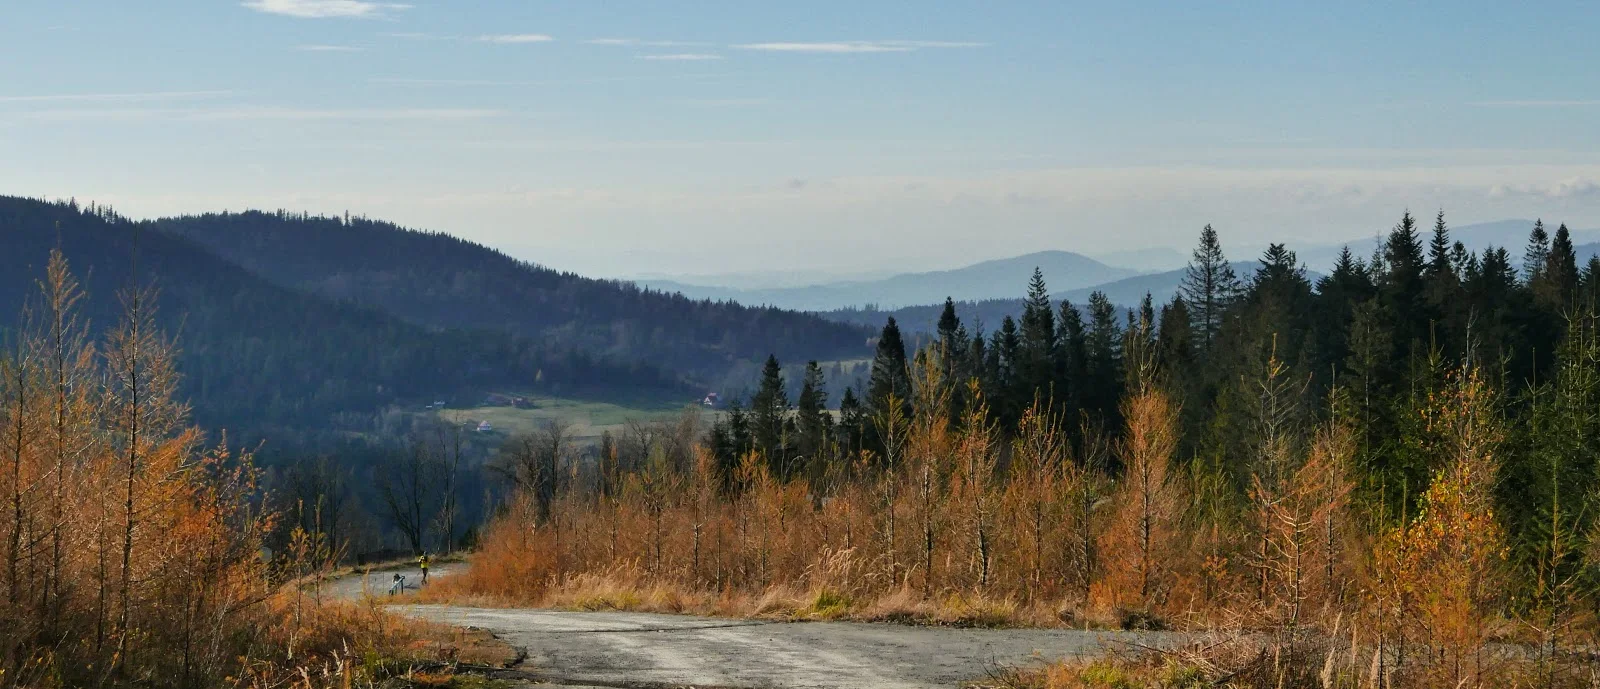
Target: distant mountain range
[1124,275]
[1125,293]
[777,278]
[996,279]
[1158,259]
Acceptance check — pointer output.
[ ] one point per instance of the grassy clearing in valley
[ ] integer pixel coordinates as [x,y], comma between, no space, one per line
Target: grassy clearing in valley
[588,419]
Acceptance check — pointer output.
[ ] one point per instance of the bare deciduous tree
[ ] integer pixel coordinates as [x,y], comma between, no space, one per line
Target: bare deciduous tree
[409,486]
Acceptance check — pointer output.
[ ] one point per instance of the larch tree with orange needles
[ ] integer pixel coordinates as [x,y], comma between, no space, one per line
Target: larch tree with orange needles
[928,451]
[976,457]
[1148,502]
[1035,486]
[1446,566]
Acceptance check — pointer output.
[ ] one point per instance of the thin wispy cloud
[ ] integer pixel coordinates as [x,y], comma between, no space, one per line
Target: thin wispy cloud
[1577,187]
[727,102]
[115,97]
[426,82]
[328,48]
[354,114]
[324,9]
[683,57]
[643,43]
[515,38]
[268,113]
[1537,104]
[845,47]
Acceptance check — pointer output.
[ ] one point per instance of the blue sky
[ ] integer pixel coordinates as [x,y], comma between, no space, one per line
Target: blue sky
[617,138]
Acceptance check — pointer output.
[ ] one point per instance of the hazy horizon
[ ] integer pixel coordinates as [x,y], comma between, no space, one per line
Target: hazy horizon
[830,137]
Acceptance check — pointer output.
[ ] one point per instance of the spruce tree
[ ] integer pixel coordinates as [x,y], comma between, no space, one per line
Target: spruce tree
[1439,248]
[1537,252]
[852,424]
[1280,277]
[1036,370]
[953,358]
[1209,287]
[1589,282]
[890,372]
[1442,282]
[1338,293]
[1173,345]
[1279,307]
[1009,386]
[769,413]
[1072,359]
[1497,304]
[891,379]
[1402,291]
[949,323]
[1560,272]
[1103,388]
[1442,274]
[813,423]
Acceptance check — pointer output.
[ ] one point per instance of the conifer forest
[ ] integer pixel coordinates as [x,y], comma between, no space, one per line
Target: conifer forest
[1389,472]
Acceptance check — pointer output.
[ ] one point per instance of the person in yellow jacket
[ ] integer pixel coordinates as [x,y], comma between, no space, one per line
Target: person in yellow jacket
[423,563]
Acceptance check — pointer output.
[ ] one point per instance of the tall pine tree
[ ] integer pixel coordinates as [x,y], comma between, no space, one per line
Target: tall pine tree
[769,415]
[1209,288]
[1037,368]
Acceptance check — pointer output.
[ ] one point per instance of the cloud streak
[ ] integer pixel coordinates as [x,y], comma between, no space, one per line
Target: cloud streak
[1536,104]
[269,113]
[115,97]
[650,44]
[515,38]
[325,9]
[682,57]
[847,47]
[327,49]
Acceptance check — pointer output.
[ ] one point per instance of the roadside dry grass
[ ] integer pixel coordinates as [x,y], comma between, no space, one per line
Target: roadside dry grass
[629,589]
[312,643]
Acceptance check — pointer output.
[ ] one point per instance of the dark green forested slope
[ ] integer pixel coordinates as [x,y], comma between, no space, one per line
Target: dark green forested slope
[443,281]
[263,358]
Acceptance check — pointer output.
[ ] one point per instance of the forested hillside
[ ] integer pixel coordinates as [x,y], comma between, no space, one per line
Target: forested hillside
[267,359]
[438,280]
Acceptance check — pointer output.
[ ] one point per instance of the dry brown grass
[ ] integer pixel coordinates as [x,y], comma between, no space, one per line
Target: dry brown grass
[306,643]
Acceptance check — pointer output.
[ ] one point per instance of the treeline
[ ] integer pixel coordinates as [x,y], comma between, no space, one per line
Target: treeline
[268,361]
[1377,475]
[1377,334]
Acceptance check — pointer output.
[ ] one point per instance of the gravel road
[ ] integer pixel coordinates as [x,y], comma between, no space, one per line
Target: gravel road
[625,649]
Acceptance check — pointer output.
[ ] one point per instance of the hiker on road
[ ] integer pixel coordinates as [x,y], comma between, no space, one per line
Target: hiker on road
[423,563]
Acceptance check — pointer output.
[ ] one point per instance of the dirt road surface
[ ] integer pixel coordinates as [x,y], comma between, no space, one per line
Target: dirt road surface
[626,649]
